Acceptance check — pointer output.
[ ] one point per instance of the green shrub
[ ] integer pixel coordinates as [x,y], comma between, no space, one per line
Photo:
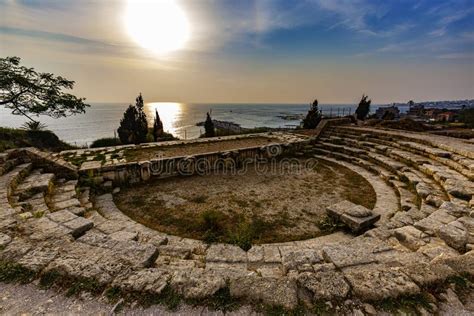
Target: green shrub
[105,142]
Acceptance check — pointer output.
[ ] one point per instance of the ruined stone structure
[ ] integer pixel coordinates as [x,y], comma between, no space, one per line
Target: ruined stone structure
[423,217]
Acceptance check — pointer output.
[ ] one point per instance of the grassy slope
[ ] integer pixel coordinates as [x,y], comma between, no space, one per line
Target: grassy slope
[15,138]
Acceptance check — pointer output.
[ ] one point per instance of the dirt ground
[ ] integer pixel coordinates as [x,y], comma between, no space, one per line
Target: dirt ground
[284,206]
[28,299]
[197,148]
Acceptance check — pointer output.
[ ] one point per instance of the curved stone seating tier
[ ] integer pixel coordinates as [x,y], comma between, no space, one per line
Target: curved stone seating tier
[425,234]
[456,184]
[455,153]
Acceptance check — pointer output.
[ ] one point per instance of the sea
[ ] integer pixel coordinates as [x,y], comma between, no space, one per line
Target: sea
[180,119]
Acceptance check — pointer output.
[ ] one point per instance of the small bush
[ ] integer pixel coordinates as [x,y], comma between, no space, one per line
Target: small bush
[211,223]
[105,142]
[247,232]
[242,236]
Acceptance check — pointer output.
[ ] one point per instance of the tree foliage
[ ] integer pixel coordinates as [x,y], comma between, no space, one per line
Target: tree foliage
[364,107]
[313,117]
[157,127]
[466,116]
[133,127]
[30,93]
[209,126]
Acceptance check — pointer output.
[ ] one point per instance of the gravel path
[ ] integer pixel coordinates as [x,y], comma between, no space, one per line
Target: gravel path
[28,299]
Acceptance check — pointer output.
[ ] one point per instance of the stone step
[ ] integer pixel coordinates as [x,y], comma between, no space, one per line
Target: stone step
[8,164]
[434,144]
[408,199]
[459,186]
[35,183]
[10,181]
[57,206]
[340,148]
[392,165]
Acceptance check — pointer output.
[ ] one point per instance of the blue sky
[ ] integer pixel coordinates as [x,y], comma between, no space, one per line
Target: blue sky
[255,50]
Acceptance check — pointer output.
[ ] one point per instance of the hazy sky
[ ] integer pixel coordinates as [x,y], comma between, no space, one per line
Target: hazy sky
[249,50]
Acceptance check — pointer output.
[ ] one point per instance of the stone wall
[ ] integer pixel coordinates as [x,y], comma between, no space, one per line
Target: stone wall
[201,164]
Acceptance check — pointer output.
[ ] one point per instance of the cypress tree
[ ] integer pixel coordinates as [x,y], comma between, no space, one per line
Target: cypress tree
[313,117]
[364,108]
[209,127]
[157,127]
[141,122]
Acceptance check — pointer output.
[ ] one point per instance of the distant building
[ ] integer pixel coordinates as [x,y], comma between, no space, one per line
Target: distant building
[448,116]
[390,112]
[416,110]
[440,115]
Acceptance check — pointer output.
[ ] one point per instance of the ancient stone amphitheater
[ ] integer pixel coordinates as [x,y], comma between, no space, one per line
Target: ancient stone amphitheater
[55,231]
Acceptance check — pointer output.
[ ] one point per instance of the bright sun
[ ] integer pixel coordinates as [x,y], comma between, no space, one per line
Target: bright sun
[158,25]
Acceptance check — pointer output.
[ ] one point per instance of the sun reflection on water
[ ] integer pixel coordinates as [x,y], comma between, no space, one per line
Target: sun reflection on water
[169,113]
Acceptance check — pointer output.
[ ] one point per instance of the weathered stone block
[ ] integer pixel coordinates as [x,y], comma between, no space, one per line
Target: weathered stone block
[328,285]
[4,240]
[135,253]
[378,282]
[411,237]
[79,225]
[225,253]
[66,204]
[357,224]
[428,274]
[454,235]
[124,235]
[462,264]
[356,217]
[295,260]
[62,216]
[146,281]
[271,291]
[355,252]
[37,259]
[196,283]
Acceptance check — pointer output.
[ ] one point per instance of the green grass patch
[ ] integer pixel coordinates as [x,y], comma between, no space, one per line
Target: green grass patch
[406,303]
[48,279]
[329,225]
[113,294]
[13,272]
[38,214]
[80,285]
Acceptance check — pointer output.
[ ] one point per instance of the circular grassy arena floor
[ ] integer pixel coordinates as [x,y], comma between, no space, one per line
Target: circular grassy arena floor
[249,208]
